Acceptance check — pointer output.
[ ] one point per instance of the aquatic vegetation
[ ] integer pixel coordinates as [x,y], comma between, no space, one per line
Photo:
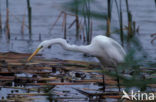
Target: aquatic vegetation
[7,25]
[29,18]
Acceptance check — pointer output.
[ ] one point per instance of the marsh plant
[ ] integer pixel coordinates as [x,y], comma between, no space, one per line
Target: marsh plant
[7,25]
[134,72]
[82,8]
[29,18]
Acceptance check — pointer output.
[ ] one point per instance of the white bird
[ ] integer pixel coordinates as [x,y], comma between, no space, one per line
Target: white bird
[105,49]
[108,51]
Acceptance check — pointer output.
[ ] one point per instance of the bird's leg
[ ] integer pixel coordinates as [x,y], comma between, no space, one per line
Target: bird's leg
[104,87]
[118,79]
[103,77]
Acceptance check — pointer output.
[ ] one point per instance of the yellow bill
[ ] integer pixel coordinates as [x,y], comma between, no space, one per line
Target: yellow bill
[34,53]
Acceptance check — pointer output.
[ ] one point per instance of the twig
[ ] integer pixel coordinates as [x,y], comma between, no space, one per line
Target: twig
[19,20]
[77,26]
[64,25]
[56,21]
[152,41]
[72,24]
[152,35]
[22,26]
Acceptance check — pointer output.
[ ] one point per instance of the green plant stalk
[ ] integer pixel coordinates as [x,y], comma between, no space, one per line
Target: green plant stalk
[85,23]
[129,15]
[88,22]
[77,19]
[134,27]
[29,18]
[118,10]
[108,18]
[121,26]
[70,6]
[85,11]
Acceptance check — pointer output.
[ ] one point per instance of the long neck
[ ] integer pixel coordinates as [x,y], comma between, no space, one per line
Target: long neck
[66,46]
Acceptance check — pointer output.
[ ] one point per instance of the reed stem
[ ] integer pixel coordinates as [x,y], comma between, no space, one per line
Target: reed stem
[108,18]
[121,26]
[56,21]
[22,26]
[7,20]
[77,26]
[88,21]
[129,15]
[65,25]
[29,18]
[77,19]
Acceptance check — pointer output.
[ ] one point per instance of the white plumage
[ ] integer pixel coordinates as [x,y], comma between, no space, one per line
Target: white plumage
[107,50]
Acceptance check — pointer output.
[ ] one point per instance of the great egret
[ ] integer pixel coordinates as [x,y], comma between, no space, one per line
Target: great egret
[105,49]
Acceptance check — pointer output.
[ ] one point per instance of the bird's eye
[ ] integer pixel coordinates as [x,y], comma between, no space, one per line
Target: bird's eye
[41,47]
[49,47]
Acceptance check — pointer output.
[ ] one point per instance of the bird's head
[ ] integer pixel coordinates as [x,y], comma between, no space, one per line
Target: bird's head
[40,47]
[47,44]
